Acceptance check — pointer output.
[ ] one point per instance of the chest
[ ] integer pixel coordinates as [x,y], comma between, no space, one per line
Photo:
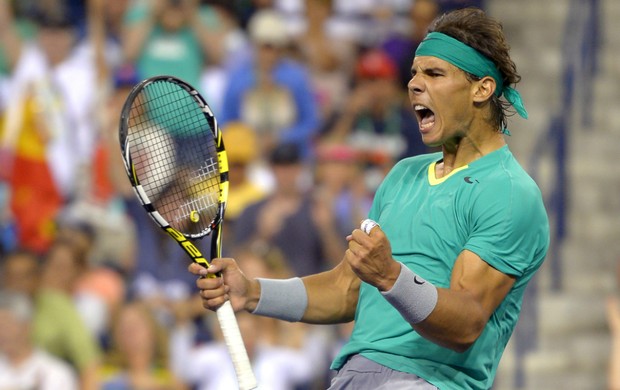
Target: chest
[428,226]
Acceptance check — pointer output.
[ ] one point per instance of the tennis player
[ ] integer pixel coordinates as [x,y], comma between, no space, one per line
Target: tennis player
[436,288]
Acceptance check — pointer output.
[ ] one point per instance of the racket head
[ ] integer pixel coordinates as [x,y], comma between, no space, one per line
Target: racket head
[174,156]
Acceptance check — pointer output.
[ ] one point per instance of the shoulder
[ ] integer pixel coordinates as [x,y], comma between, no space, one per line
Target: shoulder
[510,179]
[504,191]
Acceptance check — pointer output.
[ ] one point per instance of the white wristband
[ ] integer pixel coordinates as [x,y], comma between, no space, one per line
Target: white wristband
[413,297]
[282,299]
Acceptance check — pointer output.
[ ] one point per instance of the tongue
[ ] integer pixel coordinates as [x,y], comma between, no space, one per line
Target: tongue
[430,118]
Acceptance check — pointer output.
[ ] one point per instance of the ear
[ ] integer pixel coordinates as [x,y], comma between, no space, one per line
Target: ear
[484,89]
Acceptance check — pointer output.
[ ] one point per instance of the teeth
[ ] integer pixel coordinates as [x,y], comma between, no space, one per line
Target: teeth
[424,126]
[419,107]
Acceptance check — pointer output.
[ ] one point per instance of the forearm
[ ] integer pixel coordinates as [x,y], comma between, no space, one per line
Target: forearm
[97,38]
[456,321]
[329,297]
[332,296]
[135,36]
[450,318]
[211,41]
[459,313]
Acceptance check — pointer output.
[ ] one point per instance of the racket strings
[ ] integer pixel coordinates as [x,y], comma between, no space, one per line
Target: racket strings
[175,156]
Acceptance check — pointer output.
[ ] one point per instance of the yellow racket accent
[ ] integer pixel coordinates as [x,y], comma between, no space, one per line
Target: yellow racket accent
[194,216]
[223,192]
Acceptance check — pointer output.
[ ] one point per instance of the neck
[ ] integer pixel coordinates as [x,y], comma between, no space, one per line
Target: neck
[139,362]
[471,147]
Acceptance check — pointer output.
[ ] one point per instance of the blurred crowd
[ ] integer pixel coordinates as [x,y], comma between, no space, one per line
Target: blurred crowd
[312,101]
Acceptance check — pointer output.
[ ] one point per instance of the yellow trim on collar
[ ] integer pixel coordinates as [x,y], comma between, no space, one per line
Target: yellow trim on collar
[433,180]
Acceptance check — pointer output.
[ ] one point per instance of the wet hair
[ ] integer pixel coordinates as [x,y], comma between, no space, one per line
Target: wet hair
[474,28]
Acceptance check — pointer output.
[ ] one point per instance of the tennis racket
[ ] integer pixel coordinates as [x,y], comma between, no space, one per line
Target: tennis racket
[176,162]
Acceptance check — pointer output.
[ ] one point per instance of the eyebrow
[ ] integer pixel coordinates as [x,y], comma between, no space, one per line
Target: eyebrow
[431,69]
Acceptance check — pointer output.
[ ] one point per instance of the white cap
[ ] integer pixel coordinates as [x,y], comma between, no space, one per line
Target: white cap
[268,27]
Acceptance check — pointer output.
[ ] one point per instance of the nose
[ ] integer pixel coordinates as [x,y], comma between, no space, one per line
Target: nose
[415,85]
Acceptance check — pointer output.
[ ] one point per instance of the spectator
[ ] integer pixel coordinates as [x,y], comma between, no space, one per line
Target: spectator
[328,57]
[375,119]
[104,36]
[341,191]
[58,327]
[242,150]
[22,364]
[103,47]
[48,125]
[95,287]
[103,205]
[270,92]
[171,37]
[285,220]
[401,47]
[138,358]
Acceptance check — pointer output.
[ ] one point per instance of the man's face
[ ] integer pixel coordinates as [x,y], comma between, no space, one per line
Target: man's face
[14,333]
[441,96]
[288,177]
[267,55]
[56,43]
[20,274]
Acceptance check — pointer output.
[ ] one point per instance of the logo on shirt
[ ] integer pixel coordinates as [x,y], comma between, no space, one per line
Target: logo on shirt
[470,180]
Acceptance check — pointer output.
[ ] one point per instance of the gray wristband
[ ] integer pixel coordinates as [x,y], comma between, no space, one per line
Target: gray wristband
[412,296]
[282,299]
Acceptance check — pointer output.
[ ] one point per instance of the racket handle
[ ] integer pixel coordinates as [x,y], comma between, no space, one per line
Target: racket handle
[236,348]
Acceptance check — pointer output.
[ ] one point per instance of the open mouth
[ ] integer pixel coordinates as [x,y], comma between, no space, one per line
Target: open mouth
[426,117]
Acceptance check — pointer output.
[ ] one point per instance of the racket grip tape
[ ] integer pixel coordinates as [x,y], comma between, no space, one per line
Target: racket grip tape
[236,348]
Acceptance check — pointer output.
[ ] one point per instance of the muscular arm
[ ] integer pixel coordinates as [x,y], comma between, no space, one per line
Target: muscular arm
[462,311]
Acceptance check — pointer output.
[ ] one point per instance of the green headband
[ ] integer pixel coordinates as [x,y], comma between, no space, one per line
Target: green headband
[470,60]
